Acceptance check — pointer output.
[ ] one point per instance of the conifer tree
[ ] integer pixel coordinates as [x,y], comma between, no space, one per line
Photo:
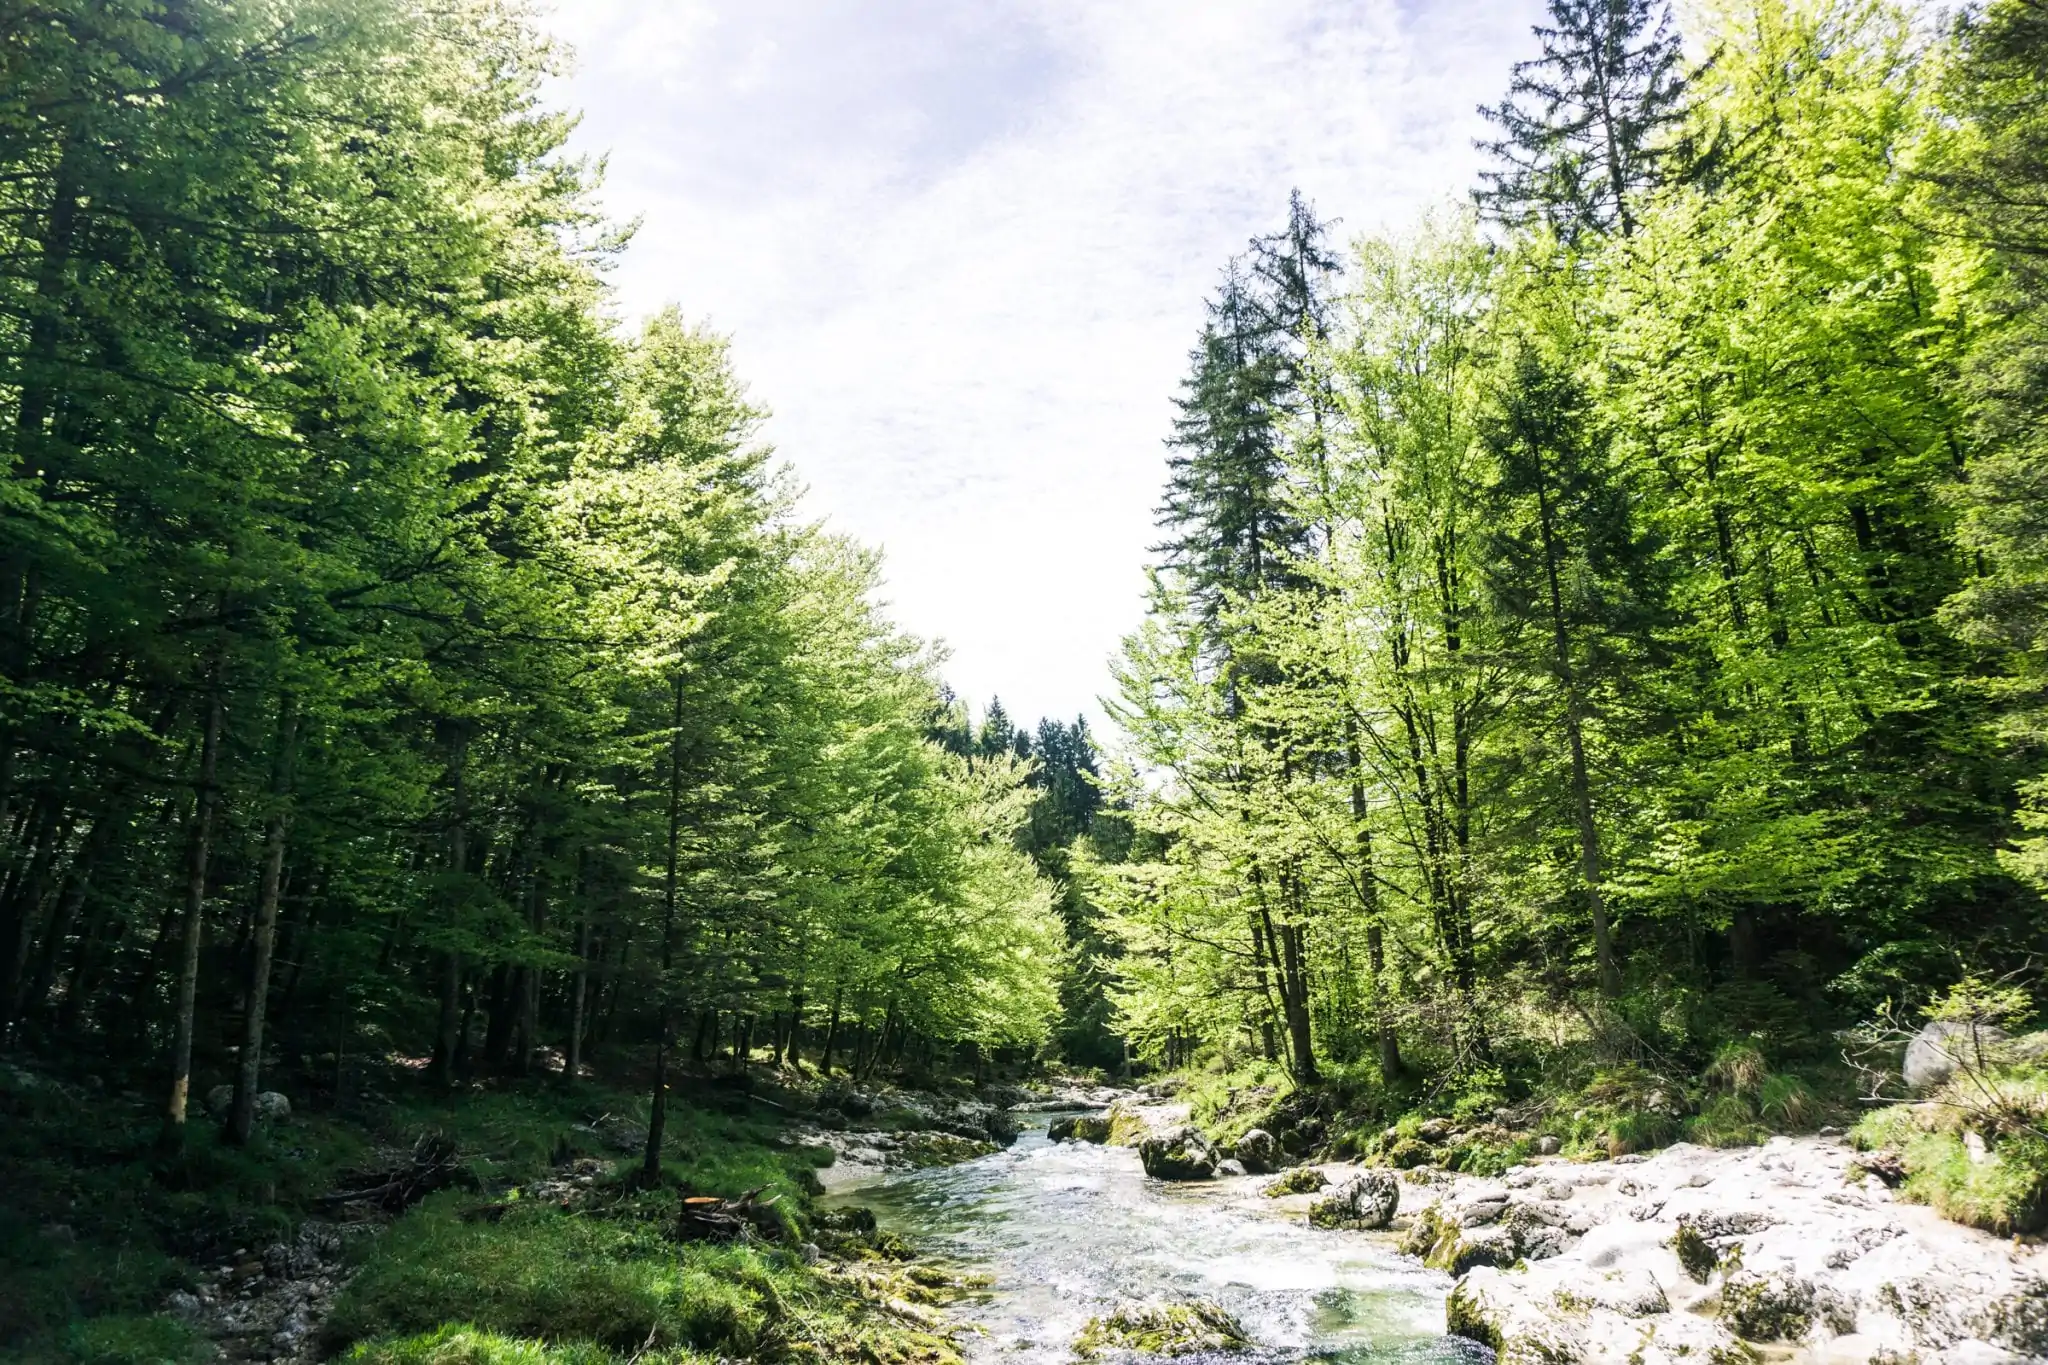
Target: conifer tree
[1588,126]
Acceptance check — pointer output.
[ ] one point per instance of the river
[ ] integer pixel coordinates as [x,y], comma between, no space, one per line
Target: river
[1065,1231]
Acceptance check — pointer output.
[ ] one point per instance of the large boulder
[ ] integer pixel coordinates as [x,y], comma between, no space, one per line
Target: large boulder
[1367,1200]
[1181,1153]
[1938,1049]
[1164,1329]
[1127,1125]
[1080,1128]
[1258,1150]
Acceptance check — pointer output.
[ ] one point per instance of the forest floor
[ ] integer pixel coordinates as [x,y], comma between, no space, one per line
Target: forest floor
[501,1224]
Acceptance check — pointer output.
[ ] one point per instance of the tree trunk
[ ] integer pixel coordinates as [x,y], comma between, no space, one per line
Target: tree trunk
[831,1033]
[657,1120]
[1369,902]
[242,1118]
[198,849]
[447,1042]
[577,993]
[1590,871]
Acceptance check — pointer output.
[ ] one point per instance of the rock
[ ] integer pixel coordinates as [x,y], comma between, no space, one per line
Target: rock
[1196,1327]
[1548,1146]
[1631,1293]
[1258,1151]
[1367,1200]
[1080,1128]
[1181,1153]
[1774,1307]
[1407,1154]
[1435,1130]
[1300,1180]
[1127,1127]
[271,1107]
[218,1099]
[1001,1127]
[1936,1051]
[1231,1166]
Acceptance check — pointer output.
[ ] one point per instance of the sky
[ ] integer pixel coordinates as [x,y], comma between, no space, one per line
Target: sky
[961,248]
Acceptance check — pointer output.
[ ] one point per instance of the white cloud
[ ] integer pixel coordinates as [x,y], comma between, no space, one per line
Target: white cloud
[963,247]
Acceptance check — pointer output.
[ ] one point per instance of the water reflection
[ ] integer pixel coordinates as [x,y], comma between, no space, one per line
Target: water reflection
[1068,1230]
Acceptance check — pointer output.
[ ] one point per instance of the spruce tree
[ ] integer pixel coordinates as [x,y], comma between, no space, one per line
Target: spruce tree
[1588,126]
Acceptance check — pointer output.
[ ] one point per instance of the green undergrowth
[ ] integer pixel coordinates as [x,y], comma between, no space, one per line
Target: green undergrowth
[2001,1186]
[97,1230]
[1493,1117]
[617,1282]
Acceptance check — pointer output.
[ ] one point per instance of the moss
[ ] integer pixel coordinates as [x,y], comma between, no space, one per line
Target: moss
[1463,1318]
[1170,1329]
[1126,1127]
[1767,1307]
[1300,1180]
[1696,1255]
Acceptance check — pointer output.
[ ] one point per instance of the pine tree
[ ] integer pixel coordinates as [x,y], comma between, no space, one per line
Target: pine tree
[1588,126]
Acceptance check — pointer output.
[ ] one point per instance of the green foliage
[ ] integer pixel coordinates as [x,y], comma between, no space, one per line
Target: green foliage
[1638,673]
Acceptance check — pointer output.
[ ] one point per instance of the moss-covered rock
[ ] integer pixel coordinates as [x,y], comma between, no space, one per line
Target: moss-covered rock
[1182,1153]
[1164,1329]
[1080,1128]
[1445,1246]
[1367,1200]
[1696,1255]
[1300,1180]
[923,1150]
[1776,1307]
[1127,1127]
[1405,1153]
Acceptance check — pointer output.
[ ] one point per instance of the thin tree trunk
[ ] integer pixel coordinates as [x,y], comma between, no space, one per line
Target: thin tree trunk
[577,993]
[199,848]
[447,1043]
[242,1117]
[831,1033]
[657,1121]
[1590,871]
[1369,902]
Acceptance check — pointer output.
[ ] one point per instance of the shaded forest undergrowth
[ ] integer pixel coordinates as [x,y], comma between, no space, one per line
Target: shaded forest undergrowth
[503,1223]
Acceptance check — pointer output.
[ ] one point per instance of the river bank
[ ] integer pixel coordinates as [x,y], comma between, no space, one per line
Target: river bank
[1794,1250]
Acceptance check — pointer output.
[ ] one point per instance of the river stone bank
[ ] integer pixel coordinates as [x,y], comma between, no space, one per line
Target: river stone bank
[1788,1251]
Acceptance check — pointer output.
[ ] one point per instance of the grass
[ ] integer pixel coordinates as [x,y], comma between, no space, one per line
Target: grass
[539,1272]
[131,1339]
[2001,1187]
[462,1344]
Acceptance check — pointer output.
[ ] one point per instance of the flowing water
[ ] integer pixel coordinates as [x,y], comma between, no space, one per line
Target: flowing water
[1069,1230]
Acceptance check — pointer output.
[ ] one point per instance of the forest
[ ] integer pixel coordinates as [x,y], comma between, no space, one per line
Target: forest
[402,655]
[1594,669]
[1604,622]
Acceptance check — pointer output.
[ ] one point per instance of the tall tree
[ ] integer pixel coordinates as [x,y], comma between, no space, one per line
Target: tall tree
[1591,124]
